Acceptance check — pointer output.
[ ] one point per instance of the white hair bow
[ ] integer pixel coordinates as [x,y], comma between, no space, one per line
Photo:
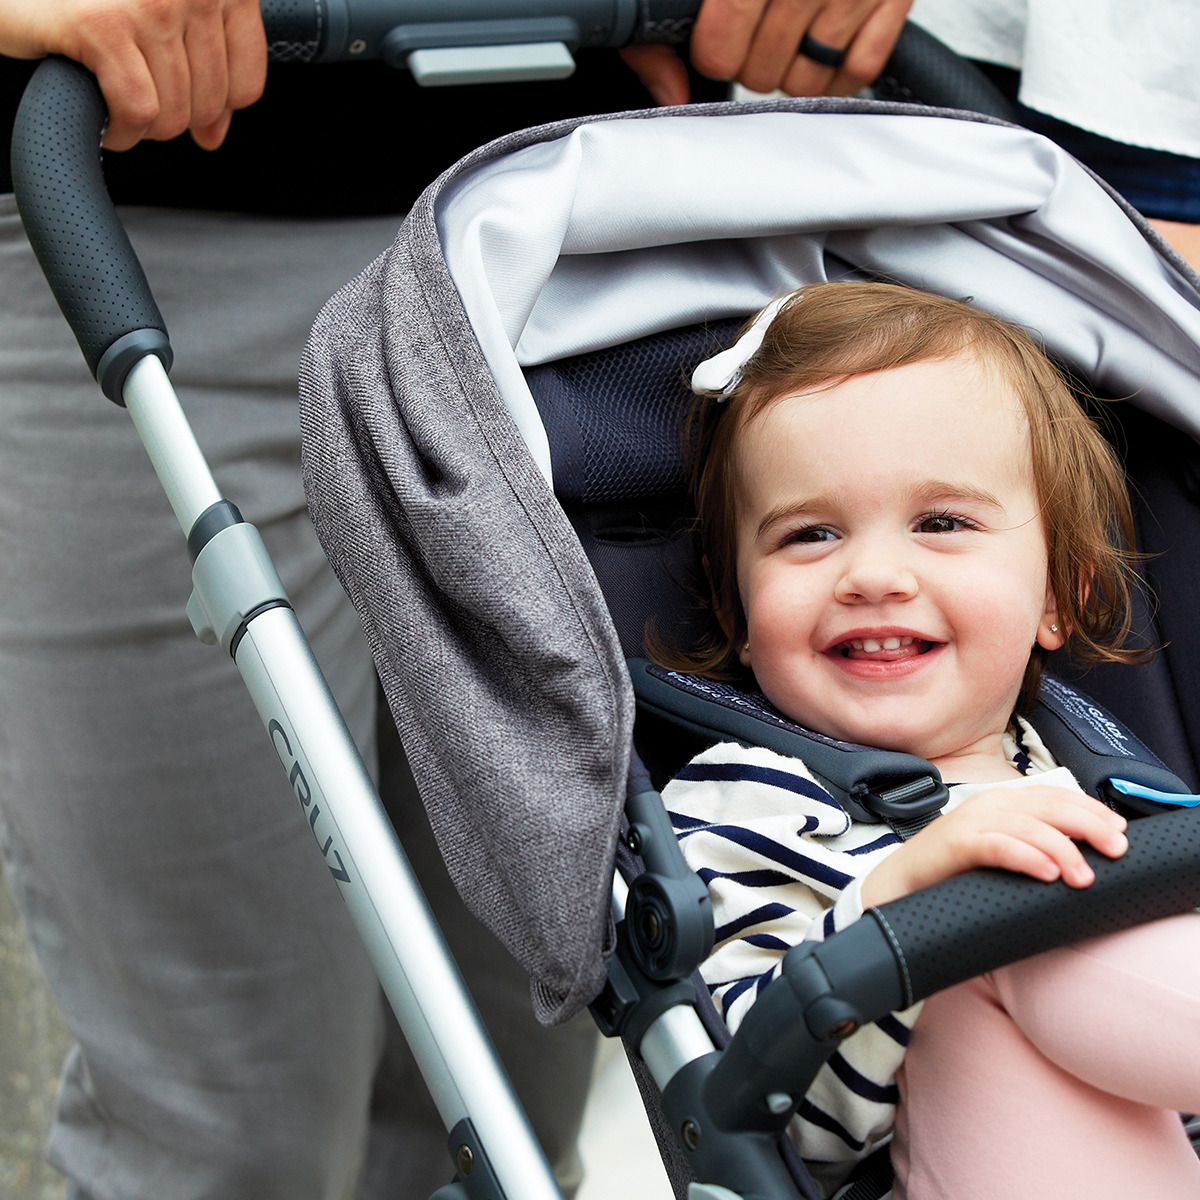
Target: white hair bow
[719,375]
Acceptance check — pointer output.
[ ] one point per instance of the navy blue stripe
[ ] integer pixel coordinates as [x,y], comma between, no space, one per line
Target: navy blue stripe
[830,927]
[757,916]
[751,879]
[735,991]
[896,1030]
[680,821]
[749,773]
[860,1085]
[767,941]
[814,1116]
[767,848]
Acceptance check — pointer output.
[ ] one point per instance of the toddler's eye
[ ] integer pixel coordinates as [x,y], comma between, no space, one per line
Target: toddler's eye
[813,533]
[943,523]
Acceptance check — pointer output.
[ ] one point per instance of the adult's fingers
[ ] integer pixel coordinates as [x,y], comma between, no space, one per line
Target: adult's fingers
[869,50]
[861,30]
[246,45]
[723,33]
[244,62]
[772,52]
[661,71]
[165,66]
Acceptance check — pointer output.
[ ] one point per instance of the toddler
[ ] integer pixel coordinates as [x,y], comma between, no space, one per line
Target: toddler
[902,510]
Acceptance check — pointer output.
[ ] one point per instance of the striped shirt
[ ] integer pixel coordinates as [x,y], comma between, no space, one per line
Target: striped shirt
[784,863]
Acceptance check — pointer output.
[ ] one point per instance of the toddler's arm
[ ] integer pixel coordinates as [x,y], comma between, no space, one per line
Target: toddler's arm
[164,66]
[1028,830]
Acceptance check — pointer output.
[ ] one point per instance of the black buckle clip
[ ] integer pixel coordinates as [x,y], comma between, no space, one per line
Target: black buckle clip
[909,800]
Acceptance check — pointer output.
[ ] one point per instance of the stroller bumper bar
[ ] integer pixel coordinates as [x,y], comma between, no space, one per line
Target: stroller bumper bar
[928,941]
[729,1108]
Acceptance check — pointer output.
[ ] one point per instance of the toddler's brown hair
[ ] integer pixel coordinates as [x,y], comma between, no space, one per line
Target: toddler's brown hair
[828,331]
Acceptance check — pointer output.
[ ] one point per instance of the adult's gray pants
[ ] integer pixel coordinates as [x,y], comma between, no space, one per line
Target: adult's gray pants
[228,1025]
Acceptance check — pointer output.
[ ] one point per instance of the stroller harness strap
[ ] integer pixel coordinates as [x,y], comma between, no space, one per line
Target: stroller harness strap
[902,790]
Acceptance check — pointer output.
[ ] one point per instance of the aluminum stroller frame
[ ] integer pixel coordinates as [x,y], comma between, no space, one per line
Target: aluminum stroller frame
[239,603]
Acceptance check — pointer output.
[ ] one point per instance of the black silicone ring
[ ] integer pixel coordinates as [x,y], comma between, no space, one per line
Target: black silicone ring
[827,56]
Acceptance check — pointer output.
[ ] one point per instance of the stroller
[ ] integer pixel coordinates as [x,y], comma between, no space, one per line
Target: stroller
[492,427]
[530,324]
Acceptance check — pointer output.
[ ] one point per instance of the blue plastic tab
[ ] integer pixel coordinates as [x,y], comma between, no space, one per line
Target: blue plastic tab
[1179,800]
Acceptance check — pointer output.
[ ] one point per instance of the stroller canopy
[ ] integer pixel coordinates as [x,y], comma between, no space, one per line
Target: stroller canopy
[428,465]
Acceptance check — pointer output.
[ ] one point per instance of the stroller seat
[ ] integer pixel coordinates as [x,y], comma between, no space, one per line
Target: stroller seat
[528,334]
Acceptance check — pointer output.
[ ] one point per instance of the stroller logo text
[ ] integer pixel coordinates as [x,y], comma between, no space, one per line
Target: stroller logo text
[303,790]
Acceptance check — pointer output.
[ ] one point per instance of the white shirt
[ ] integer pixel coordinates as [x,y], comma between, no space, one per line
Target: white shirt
[1125,69]
[785,864]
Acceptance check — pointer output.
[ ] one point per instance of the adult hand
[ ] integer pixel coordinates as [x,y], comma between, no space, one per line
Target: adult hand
[164,66]
[755,43]
[1027,830]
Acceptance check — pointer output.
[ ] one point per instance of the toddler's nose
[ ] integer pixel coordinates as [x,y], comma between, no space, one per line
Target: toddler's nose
[872,575]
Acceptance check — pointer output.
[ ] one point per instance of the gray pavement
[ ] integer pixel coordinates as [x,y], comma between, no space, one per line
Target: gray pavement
[33,1041]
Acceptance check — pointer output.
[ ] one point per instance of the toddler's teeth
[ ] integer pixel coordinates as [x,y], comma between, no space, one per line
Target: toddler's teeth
[892,643]
[871,645]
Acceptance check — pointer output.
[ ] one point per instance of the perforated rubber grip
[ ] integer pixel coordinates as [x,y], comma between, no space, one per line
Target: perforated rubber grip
[924,69]
[75,233]
[982,920]
[295,29]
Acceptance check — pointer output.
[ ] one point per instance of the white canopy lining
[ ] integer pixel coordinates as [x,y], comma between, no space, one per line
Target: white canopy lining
[628,227]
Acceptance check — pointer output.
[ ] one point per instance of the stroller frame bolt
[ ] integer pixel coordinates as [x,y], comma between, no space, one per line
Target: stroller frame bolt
[690,1133]
[465,1160]
[778,1102]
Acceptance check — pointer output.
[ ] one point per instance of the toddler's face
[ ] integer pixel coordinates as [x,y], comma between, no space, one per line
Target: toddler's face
[892,561]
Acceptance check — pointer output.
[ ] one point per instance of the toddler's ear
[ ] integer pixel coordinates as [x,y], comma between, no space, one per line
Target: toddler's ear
[726,619]
[1050,633]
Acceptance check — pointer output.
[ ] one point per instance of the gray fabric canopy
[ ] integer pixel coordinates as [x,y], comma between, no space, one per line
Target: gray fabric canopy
[428,468]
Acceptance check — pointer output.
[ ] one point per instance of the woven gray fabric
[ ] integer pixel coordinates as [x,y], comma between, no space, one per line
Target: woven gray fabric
[493,643]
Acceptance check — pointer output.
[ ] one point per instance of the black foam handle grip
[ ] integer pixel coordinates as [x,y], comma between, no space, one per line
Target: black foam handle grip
[81,244]
[296,29]
[924,69]
[979,921]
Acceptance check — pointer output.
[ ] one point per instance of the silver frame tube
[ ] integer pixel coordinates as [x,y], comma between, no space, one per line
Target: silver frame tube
[343,809]
[161,424]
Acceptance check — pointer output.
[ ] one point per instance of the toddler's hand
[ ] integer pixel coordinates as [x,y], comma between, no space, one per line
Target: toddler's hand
[1027,830]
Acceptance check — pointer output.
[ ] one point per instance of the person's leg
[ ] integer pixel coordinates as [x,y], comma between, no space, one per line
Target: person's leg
[227,1020]
[1059,1075]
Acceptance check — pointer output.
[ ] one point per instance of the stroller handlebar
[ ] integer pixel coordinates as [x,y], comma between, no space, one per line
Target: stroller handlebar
[75,232]
[64,204]
[84,250]
[346,30]
[982,920]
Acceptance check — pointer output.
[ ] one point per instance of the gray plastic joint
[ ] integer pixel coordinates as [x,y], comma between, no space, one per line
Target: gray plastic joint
[232,579]
[710,1191]
[124,354]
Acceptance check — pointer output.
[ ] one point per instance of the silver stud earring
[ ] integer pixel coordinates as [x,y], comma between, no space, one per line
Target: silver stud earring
[746,646]
[1053,628]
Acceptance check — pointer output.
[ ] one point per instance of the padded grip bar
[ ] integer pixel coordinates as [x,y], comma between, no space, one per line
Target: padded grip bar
[345,30]
[74,230]
[931,940]
[924,69]
[979,921]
